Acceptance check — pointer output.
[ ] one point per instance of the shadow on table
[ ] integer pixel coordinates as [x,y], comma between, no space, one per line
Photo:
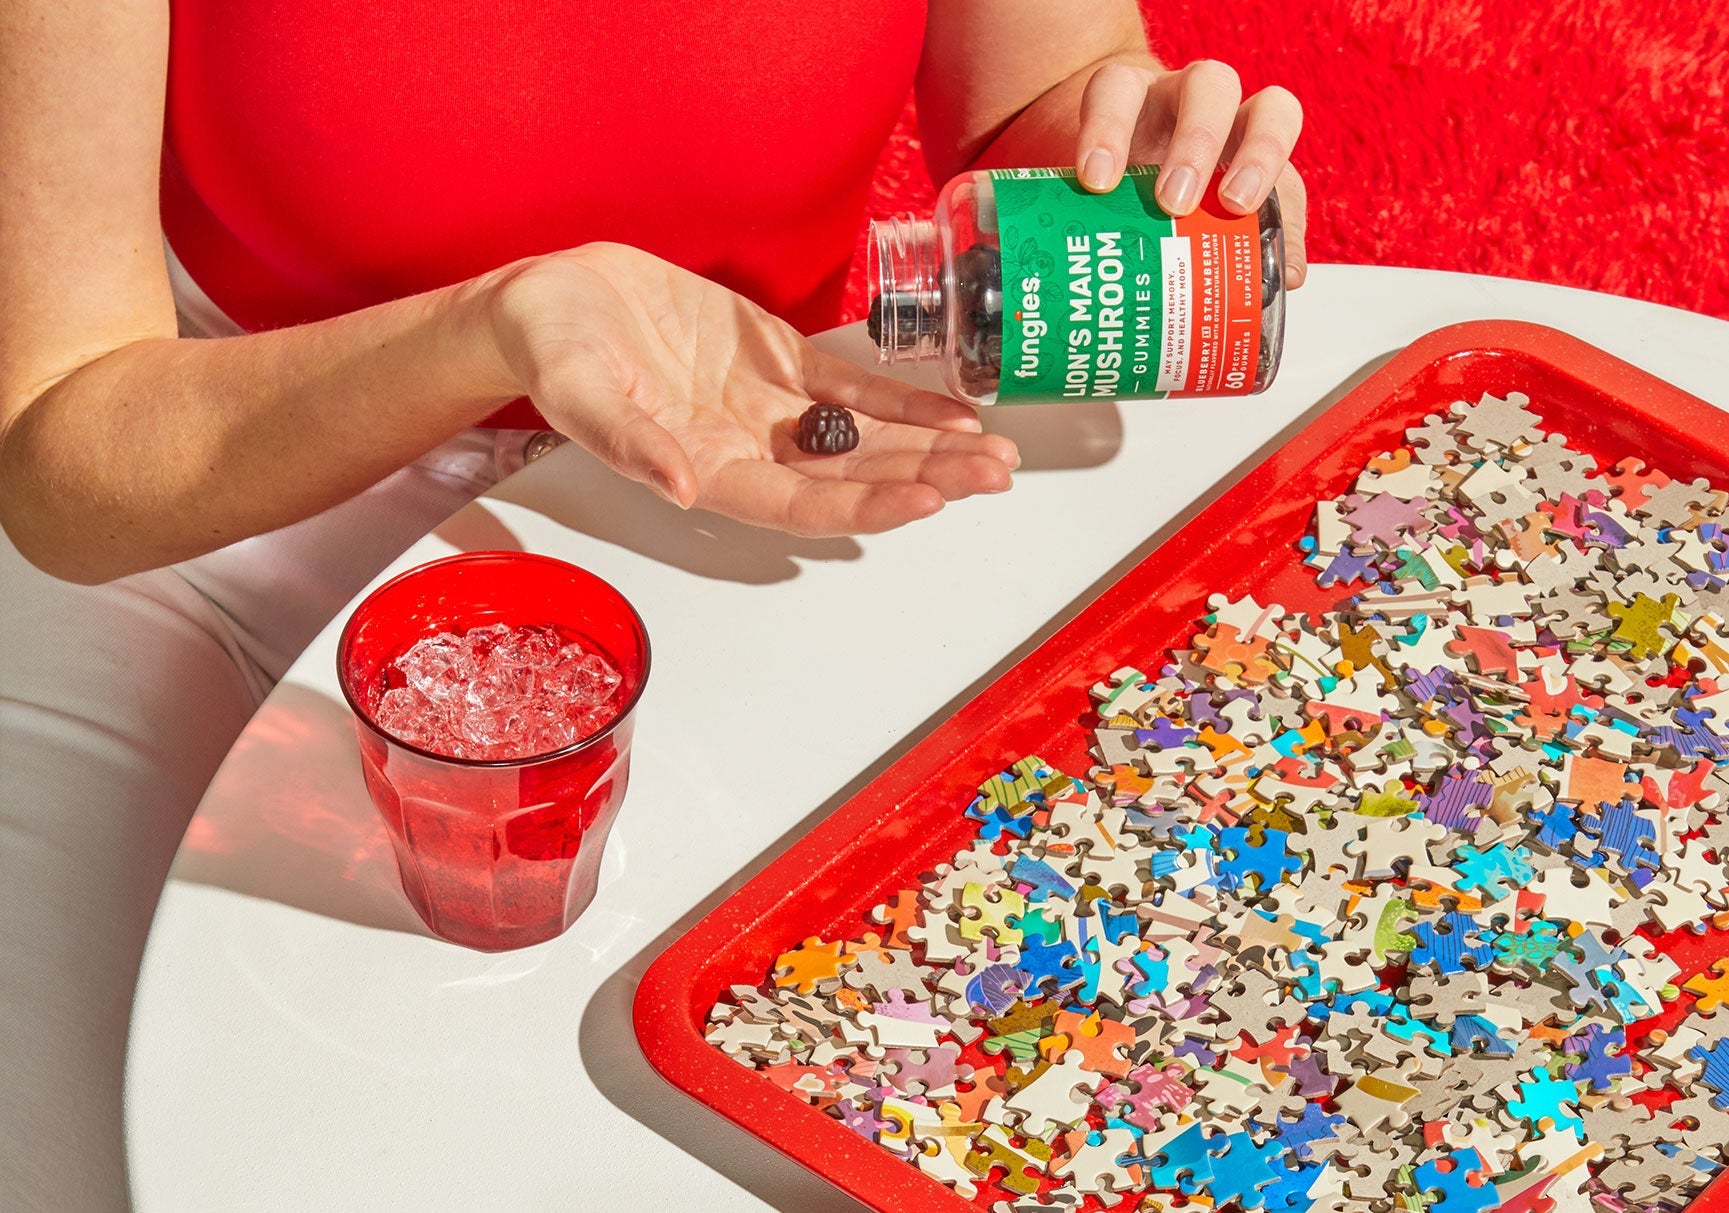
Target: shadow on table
[610,1053]
[561,486]
[288,819]
[573,488]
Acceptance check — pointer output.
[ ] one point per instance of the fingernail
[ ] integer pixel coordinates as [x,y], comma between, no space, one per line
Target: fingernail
[663,486]
[1182,189]
[1240,191]
[1096,172]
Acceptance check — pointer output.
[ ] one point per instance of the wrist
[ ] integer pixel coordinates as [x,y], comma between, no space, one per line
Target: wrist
[485,321]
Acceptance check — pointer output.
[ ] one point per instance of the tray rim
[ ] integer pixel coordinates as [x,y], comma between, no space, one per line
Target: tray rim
[674,1045]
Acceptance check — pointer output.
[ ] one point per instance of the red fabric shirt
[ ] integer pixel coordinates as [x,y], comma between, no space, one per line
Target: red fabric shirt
[324,155]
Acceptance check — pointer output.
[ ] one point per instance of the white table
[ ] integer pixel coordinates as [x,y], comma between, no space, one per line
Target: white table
[300,1044]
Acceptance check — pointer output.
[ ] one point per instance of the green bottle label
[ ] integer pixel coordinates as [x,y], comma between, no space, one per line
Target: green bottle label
[1105,296]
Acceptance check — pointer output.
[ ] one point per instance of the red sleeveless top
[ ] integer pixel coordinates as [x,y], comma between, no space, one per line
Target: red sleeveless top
[324,155]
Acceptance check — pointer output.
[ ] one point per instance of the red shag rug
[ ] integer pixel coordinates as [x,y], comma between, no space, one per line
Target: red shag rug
[1580,142]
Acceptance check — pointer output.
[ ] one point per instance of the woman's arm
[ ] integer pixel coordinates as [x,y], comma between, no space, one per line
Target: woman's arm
[121,447]
[124,448]
[1031,83]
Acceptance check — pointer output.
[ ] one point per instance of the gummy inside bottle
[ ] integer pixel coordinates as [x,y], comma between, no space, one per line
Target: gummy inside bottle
[919,311]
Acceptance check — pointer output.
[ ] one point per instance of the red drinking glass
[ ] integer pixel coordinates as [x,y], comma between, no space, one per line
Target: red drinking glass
[500,854]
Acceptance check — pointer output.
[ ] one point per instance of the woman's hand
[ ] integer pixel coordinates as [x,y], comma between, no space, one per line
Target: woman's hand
[693,390]
[1189,121]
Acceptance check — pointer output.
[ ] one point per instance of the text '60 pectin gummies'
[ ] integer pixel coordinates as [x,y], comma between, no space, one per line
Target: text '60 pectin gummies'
[1033,290]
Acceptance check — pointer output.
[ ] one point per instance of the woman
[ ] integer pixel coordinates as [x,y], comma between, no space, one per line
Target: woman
[404,217]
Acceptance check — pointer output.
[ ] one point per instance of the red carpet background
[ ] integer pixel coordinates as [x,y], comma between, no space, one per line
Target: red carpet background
[1582,143]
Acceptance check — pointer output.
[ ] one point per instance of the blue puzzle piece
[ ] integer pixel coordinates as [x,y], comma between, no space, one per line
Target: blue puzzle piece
[1543,1097]
[1198,838]
[1058,964]
[1627,1002]
[1242,1169]
[1448,946]
[1044,880]
[1690,743]
[1628,837]
[1603,1062]
[1716,1075]
[1498,871]
[1312,1125]
[1307,986]
[1411,1030]
[1560,822]
[1376,1002]
[1182,1163]
[1117,927]
[1459,1193]
[1694,719]
[1473,1033]
[1164,863]
[1267,862]
[1155,974]
[996,820]
[1088,993]
[1289,1193]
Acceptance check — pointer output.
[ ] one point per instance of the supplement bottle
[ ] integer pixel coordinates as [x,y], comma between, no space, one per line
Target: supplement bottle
[1031,289]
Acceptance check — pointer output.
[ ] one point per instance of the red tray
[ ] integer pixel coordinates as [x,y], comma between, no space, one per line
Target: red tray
[909,818]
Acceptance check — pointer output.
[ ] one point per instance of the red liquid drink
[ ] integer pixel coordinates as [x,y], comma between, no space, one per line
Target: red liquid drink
[502,853]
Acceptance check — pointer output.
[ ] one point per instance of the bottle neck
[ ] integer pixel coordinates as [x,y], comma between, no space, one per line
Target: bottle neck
[903,270]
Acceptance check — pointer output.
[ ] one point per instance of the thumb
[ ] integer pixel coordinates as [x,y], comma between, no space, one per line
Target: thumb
[614,427]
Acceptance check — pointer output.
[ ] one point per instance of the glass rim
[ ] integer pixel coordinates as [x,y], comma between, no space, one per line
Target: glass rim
[346,639]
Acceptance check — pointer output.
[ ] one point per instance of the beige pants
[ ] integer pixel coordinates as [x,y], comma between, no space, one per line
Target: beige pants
[117,703]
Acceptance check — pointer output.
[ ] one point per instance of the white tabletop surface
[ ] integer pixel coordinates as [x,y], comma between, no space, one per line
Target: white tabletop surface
[299,1043]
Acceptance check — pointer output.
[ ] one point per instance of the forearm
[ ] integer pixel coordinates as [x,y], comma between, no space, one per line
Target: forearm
[1020,83]
[1044,134]
[165,449]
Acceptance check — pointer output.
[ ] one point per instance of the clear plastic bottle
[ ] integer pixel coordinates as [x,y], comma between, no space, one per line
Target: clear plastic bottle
[1031,289]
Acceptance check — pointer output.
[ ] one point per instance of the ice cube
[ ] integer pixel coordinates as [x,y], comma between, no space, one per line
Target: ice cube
[499,692]
[535,647]
[435,665]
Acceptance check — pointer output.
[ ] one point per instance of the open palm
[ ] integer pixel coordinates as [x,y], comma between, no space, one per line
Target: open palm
[694,390]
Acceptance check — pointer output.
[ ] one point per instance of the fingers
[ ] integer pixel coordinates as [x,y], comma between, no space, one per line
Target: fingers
[954,475]
[768,494]
[1266,130]
[897,475]
[835,379]
[1111,108]
[876,437]
[956,465]
[1204,97]
[626,439]
[1294,207]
